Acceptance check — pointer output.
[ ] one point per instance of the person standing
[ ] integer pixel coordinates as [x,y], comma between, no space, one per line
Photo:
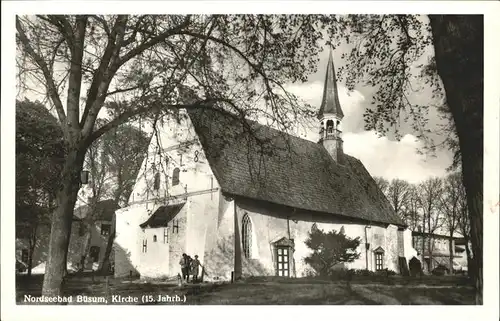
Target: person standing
[184,266]
[195,268]
[188,267]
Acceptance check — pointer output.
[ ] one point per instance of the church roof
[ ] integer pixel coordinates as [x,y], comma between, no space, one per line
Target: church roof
[103,210]
[257,162]
[162,216]
[330,103]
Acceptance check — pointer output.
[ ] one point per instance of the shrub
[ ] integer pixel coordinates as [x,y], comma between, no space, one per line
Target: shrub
[330,249]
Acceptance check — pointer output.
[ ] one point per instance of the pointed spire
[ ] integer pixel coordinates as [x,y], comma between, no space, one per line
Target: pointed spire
[330,103]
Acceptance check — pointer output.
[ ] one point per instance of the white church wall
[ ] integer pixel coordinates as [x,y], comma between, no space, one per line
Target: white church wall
[409,252]
[127,242]
[271,224]
[154,258]
[219,251]
[175,146]
[197,186]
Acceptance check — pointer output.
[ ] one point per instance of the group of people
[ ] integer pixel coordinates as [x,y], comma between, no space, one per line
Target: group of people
[189,266]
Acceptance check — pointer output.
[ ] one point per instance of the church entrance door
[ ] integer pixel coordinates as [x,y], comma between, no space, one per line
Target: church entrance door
[283,255]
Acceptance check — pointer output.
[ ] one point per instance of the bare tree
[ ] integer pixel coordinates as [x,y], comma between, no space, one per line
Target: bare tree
[411,212]
[382,183]
[237,64]
[451,202]
[398,195]
[429,197]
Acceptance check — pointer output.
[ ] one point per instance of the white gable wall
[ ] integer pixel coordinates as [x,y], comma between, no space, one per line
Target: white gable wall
[197,220]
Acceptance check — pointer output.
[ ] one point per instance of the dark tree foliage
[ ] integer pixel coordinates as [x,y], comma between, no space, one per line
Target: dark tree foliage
[39,159]
[329,249]
[402,54]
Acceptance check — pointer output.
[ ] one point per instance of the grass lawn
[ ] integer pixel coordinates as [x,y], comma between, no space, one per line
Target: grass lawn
[449,290]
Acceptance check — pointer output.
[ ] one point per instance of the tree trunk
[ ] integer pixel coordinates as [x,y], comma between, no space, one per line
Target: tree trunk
[450,247]
[55,268]
[105,263]
[32,244]
[423,244]
[459,42]
[470,273]
[86,244]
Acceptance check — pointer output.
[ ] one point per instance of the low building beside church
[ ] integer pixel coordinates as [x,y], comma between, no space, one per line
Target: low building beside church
[243,197]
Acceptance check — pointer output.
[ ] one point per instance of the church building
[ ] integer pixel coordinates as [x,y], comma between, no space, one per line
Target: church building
[244,196]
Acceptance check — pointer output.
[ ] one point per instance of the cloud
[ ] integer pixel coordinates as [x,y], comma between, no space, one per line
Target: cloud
[394,159]
[380,155]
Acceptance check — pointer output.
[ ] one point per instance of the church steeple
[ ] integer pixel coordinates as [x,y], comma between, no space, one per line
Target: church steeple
[330,114]
[330,103]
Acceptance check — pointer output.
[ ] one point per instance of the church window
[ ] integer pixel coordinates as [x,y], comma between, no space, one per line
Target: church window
[175,176]
[175,226]
[144,246]
[314,227]
[156,185]
[247,236]
[342,230]
[154,238]
[165,235]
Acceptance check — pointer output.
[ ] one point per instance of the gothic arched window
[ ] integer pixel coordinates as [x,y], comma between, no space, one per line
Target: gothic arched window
[175,176]
[156,185]
[246,235]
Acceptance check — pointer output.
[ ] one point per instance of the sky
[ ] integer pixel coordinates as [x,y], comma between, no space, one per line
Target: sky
[382,156]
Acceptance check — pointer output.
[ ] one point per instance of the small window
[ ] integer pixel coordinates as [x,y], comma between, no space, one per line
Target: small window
[154,238]
[175,226]
[81,229]
[165,235]
[144,246]
[24,255]
[175,176]
[94,253]
[105,229]
[156,185]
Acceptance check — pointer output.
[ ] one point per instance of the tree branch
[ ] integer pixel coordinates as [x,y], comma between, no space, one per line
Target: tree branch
[50,85]
[153,41]
[102,78]
[75,75]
